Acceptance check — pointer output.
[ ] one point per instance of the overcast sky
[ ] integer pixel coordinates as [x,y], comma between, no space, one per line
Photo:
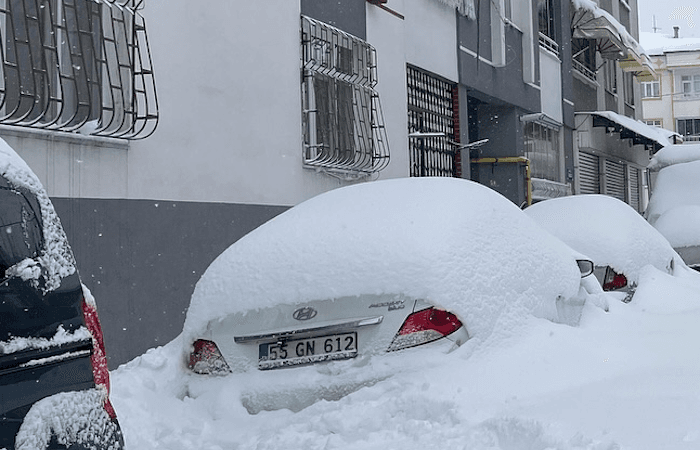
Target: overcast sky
[669,13]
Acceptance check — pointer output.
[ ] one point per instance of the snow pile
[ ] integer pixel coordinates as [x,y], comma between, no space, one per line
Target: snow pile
[674,154]
[70,417]
[621,380]
[674,207]
[61,337]
[457,243]
[56,258]
[606,230]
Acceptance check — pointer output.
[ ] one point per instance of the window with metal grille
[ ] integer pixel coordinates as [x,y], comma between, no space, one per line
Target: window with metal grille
[343,128]
[543,150]
[77,65]
[431,123]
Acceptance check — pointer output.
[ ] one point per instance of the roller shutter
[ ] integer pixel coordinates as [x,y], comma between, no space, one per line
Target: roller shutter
[589,173]
[634,188]
[615,179]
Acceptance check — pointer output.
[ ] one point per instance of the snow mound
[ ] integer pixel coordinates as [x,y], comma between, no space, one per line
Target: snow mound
[457,243]
[70,417]
[674,154]
[56,258]
[606,230]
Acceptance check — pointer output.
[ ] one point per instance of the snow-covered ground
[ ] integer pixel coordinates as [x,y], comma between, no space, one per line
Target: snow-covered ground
[625,379]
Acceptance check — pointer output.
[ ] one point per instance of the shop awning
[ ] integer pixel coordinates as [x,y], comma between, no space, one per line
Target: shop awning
[612,40]
[640,133]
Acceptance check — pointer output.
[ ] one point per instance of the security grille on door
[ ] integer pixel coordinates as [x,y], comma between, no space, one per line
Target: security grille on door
[589,173]
[431,122]
[343,128]
[77,65]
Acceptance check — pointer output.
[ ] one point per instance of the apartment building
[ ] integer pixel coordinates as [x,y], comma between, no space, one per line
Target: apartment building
[673,100]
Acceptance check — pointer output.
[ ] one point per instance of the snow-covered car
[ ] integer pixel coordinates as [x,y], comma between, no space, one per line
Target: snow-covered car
[674,207]
[369,270]
[54,381]
[611,233]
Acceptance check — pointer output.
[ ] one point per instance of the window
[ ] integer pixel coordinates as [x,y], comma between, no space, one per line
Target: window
[653,122]
[431,109]
[610,76]
[688,127]
[543,150]
[650,89]
[628,80]
[545,14]
[343,129]
[690,85]
[68,63]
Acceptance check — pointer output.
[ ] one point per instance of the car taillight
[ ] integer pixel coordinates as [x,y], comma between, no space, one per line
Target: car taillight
[613,280]
[425,326]
[98,358]
[206,359]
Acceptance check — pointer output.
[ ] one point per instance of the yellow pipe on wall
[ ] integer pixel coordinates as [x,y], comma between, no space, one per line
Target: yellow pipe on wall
[512,160]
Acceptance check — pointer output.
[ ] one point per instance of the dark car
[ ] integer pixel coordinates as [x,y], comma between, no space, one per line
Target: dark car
[54,381]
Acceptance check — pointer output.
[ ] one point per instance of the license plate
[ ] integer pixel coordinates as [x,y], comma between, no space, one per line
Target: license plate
[310,350]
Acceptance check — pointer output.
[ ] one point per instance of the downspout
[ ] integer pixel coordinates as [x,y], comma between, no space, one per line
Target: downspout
[512,160]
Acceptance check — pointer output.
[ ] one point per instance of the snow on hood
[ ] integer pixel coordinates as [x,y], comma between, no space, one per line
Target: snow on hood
[674,207]
[607,230]
[56,258]
[674,154]
[457,243]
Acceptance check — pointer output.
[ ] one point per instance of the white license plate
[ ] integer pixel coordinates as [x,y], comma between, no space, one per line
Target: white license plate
[306,351]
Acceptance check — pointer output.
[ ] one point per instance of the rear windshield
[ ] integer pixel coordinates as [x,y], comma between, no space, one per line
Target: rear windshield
[20,226]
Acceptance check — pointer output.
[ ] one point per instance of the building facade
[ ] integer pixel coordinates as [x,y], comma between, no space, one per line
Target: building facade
[161,145]
[673,101]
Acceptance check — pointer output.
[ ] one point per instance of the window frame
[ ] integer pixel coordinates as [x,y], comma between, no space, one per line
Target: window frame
[651,86]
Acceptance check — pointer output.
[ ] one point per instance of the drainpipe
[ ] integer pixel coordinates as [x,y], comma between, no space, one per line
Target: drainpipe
[512,160]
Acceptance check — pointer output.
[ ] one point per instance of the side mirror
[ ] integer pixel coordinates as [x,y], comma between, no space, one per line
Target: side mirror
[585,266]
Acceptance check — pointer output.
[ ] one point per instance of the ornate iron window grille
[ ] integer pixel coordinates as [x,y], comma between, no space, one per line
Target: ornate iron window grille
[343,126]
[77,65]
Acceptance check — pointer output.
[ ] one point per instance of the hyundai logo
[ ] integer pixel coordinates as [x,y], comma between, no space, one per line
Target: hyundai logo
[305,313]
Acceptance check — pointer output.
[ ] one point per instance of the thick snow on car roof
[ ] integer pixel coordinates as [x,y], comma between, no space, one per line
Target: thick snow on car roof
[458,244]
[606,230]
[674,207]
[56,259]
[675,154]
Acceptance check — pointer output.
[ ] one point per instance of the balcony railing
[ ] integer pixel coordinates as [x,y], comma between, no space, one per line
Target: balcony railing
[583,70]
[549,44]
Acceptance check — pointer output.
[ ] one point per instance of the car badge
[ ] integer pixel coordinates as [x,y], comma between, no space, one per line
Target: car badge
[305,313]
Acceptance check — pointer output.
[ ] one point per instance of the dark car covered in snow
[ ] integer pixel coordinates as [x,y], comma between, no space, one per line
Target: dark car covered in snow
[54,381]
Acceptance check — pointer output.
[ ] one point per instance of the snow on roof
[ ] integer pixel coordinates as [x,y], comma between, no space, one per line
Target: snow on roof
[674,154]
[56,258]
[657,134]
[606,230]
[465,7]
[596,11]
[658,44]
[453,242]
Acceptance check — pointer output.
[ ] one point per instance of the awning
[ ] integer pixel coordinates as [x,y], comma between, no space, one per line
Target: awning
[612,40]
[640,133]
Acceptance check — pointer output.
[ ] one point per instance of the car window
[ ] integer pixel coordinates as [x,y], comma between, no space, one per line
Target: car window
[20,226]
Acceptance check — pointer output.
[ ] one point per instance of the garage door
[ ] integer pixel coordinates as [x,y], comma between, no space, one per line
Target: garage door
[634,188]
[589,173]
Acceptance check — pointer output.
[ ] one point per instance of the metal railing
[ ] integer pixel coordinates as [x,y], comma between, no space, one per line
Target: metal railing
[83,65]
[549,44]
[583,70]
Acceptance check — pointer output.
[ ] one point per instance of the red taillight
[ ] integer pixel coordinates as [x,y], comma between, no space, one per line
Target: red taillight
[425,326]
[613,280]
[207,359]
[98,358]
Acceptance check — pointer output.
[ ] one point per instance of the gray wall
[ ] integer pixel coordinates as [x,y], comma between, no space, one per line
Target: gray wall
[142,258]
